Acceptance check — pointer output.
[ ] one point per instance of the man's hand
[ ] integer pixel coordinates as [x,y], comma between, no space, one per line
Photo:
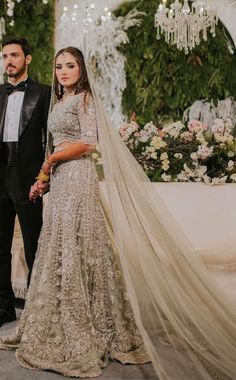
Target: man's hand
[37,190]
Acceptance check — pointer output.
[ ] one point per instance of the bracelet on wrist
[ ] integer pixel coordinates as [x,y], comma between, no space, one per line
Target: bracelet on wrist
[43,176]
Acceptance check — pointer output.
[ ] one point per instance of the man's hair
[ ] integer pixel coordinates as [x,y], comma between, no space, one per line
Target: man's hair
[18,41]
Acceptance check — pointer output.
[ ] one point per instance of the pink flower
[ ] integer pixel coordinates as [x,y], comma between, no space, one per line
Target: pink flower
[196,126]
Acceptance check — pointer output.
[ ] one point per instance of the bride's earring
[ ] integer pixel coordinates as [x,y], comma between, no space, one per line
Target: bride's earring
[60,90]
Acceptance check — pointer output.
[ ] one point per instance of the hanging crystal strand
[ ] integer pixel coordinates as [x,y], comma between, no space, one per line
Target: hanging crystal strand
[74,15]
[158,36]
[193,27]
[175,35]
[189,31]
[213,29]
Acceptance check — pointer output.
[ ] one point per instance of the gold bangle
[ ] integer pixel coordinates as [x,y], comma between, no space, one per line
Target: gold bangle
[43,176]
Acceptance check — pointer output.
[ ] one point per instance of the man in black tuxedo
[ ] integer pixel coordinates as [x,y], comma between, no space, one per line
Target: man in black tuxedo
[24,106]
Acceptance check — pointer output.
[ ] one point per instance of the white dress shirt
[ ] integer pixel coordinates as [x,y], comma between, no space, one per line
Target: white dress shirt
[12,117]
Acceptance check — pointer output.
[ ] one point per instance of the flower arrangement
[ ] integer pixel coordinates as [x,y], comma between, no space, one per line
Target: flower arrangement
[184,152]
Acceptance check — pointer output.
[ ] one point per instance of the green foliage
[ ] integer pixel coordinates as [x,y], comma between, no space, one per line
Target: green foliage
[34,20]
[162,81]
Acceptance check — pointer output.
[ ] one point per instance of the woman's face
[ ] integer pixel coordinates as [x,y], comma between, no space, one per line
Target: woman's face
[67,70]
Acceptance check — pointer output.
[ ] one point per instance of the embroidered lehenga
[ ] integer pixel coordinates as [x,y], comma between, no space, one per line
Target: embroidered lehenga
[77,313]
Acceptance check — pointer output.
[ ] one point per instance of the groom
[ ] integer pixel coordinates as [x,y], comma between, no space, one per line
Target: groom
[24,106]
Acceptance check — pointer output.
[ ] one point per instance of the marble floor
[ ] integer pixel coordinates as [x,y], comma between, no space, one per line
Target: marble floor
[11,370]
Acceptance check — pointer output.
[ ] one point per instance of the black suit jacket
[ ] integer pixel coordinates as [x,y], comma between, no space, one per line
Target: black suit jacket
[32,133]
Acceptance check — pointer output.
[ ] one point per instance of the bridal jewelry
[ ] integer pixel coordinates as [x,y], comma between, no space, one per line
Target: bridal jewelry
[66,93]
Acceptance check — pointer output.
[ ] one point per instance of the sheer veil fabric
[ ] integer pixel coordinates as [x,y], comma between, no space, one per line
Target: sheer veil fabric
[182,313]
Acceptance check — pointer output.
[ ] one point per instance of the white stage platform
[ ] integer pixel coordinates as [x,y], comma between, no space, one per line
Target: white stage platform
[206,214]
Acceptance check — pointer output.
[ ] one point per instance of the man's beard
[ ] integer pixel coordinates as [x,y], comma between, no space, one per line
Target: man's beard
[17,73]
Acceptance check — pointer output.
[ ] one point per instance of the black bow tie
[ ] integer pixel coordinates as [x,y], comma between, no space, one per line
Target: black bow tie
[9,88]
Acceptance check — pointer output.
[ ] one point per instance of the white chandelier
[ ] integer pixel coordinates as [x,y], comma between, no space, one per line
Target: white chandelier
[184,25]
[74,13]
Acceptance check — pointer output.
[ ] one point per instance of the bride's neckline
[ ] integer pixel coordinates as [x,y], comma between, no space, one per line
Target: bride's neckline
[66,98]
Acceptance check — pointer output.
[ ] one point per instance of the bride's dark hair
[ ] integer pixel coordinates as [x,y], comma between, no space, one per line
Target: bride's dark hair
[83,83]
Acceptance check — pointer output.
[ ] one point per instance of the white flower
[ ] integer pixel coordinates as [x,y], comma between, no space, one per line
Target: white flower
[158,143]
[204,152]
[150,149]
[173,129]
[128,129]
[223,138]
[200,171]
[148,131]
[166,178]
[230,154]
[165,165]
[200,138]
[230,165]
[194,156]
[154,156]
[182,177]
[206,179]
[186,136]
[179,156]
[233,177]
[218,181]
[164,156]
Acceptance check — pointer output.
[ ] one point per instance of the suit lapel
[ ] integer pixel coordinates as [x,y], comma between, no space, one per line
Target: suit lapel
[28,106]
[3,106]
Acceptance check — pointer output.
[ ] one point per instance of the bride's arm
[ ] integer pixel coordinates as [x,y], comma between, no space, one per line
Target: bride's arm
[71,152]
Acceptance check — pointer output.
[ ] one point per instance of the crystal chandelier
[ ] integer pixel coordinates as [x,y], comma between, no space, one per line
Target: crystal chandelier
[184,24]
[89,17]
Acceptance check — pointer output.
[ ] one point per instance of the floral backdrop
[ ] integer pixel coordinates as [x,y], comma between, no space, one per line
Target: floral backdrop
[184,152]
[171,147]
[161,80]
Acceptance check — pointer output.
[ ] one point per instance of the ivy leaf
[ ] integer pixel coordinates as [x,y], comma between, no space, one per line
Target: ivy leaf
[172,101]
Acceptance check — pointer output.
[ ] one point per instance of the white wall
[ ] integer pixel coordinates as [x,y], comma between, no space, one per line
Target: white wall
[227,14]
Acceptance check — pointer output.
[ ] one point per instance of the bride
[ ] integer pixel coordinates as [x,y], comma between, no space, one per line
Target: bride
[114,276]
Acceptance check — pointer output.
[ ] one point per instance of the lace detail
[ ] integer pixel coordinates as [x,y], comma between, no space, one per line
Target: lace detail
[77,313]
[71,120]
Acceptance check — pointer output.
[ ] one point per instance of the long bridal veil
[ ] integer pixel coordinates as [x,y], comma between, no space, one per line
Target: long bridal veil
[186,320]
